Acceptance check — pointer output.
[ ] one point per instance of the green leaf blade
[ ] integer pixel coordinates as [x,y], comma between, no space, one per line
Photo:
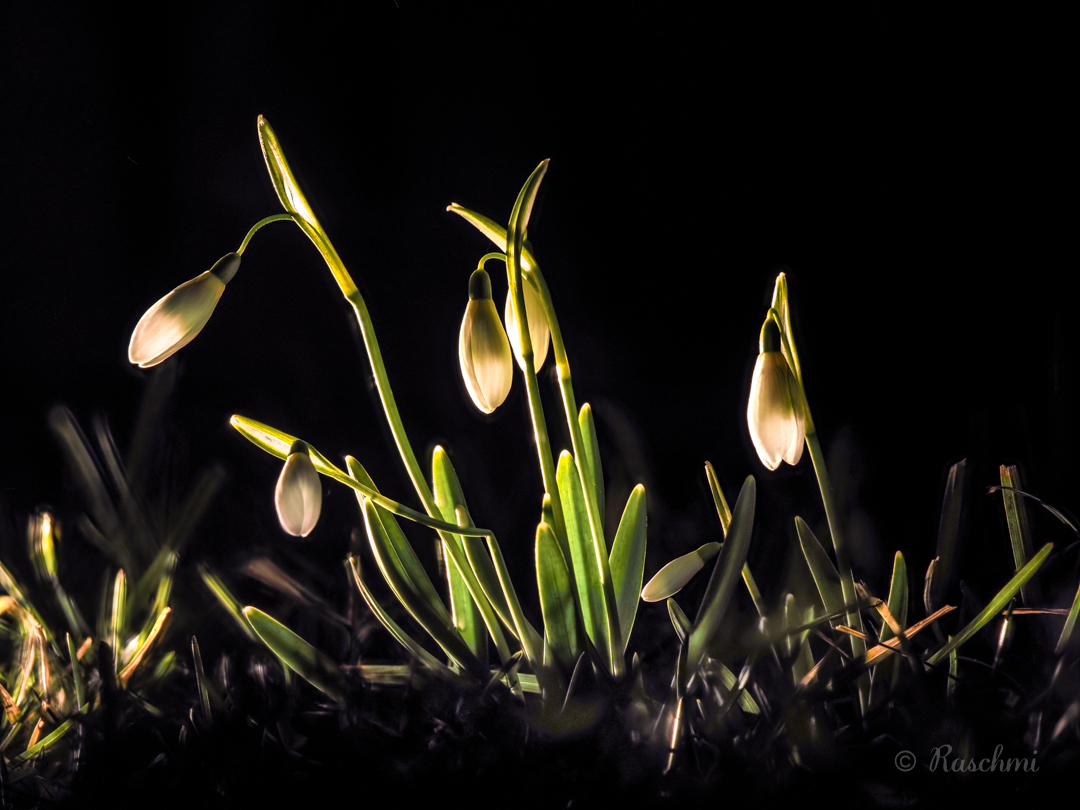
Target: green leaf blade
[299,656]
[725,575]
[627,561]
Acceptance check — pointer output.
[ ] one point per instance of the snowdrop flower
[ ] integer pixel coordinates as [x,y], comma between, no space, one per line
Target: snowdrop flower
[175,320]
[298,495]
[539,332]
[775,412]
[483,348]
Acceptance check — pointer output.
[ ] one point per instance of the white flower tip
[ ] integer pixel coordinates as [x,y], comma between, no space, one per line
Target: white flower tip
[774,412]
[175,320]
[484,355]
[298,495]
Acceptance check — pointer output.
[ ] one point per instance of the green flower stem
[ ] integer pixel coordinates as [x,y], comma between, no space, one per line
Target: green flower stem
[566,388]
[532,388]
[258,225]
[393,416]
[847,582]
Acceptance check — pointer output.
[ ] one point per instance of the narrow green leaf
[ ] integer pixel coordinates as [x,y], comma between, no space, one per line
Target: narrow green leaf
[725,574]
[898,596]
[627,561]
[587,580]
[731,683]
[531,643]
[1070,625]
[592,460]
[556,600]
[118,616]
[821,568]
[1019,529]
[673,577]
[76,674]
[144,644]
[679,620]
[718,497]
[720,502]
[997,604]
[200,680]
[948,536]
[439,627]
[403,638]
[299,656]
[466,614]
[45,743]
[228,601]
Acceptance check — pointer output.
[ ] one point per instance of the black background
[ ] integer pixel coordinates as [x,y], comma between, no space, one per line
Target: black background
[915,173]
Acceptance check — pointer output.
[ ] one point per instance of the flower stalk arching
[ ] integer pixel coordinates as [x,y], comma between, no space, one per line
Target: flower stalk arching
[293,201]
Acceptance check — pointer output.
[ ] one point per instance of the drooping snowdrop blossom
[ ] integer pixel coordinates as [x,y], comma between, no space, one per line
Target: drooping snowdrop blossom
[483,348]
[298,495]
[539,331]
[175,320]
[775,412]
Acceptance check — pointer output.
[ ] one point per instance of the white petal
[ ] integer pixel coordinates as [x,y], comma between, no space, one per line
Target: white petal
[539,331]
[298,495]
[484,355]
[776,425]
[175,320]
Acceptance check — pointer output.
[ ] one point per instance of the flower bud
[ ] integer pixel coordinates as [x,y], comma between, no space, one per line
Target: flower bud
[539,332]
[775,412]
[298,495]
[175,320]
[483,348]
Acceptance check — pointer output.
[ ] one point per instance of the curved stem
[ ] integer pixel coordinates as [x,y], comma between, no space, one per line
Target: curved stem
[259,225]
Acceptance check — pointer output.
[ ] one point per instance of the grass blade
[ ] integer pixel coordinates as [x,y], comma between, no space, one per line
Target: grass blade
[299,656]
[725,520]
[1019,529]
[997,604]
[144,646]
[76,675]
[948,535]
[627,561]
[825,575]
[556,600]
[1070,625]
[200,680]
[725,574]
[118,616]
[228,601]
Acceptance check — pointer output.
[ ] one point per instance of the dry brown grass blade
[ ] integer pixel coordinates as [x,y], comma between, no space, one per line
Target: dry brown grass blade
[890,646]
